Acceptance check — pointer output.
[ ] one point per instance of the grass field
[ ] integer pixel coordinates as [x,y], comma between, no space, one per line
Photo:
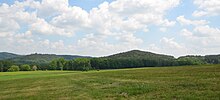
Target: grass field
[192,82]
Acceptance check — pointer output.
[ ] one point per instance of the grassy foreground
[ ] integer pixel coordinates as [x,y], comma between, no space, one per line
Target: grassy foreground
[192,82]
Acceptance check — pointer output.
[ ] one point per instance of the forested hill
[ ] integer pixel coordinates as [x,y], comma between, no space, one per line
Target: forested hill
[38,58]
[132,59]
[6,55]
[137,54]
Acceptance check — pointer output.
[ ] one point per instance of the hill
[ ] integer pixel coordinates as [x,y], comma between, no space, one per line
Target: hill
[41,59]
[132,59]
[6,55]
[213,59]
[137,54]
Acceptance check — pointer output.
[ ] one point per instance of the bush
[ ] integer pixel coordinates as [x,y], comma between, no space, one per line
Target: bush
[25,67]
[13,68]
[34,68]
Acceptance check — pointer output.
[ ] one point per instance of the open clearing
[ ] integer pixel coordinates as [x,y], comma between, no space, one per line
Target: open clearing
[187,82]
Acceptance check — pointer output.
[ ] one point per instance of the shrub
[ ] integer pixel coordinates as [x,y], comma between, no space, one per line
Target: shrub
[34,68]
[25,67]
[13,68]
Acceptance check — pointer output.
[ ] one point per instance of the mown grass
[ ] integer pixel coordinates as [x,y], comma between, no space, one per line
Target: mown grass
[188,82]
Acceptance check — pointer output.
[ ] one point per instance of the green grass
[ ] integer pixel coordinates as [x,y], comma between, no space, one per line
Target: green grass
[189,82]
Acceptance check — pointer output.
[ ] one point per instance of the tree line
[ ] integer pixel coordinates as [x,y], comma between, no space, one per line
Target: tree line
[85,64]
[8,66]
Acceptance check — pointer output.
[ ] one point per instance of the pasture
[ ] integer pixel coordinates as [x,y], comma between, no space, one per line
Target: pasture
[186,82]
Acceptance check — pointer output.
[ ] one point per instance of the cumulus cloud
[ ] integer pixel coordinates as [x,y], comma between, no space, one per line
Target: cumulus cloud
[120,20]
[186,33]
[207,31]
[8,26]
[107,18]
[43,27]
[172,47]
[183,21]
[207,8]
[50,8]
[169,46]
[163,29]
[170,43]
[202,39]
[204,31]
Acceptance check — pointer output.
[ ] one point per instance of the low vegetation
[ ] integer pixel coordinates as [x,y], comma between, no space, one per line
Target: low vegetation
[13,68]
[171,83]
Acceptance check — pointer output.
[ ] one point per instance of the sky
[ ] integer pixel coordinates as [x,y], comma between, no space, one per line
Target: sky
[105,27]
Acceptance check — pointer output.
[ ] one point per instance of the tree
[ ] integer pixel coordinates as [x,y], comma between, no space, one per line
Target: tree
[34,68]
[53,65]
[13,68]
[6,65]
[57,64]
[82,64]
[60,63]
[212,59]
[25,67]
[1,67]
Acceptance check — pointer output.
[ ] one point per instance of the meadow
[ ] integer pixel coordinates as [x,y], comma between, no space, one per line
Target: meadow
[186,82]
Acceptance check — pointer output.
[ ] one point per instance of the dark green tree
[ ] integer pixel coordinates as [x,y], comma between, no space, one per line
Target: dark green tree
[6,65]
[25,67]
[57,64]
[1,67]
[82,64]
[53,65]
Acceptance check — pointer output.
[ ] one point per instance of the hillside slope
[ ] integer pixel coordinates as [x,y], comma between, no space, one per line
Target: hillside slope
[41,58]
[137,54]
[132,59]
[6,55]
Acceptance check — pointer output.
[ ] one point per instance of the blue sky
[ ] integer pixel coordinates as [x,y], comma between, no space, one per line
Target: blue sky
[104,27]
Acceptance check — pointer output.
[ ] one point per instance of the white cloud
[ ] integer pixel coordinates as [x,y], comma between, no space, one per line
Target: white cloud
[154,48]
[27,34]
[73,20]
[163,29]
[108,18]
[43,27]
[49,8]
[120,20]
[201,32]
[91,43]
[202,39]
[183,21]
[25,18]
[171,44]
[7,26]
[186,33]
[207,8]
[207,31]
[129,38]
[168,46]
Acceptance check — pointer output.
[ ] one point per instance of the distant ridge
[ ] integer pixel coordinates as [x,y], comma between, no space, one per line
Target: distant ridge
[36,58]
[139,54]
[6,55]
